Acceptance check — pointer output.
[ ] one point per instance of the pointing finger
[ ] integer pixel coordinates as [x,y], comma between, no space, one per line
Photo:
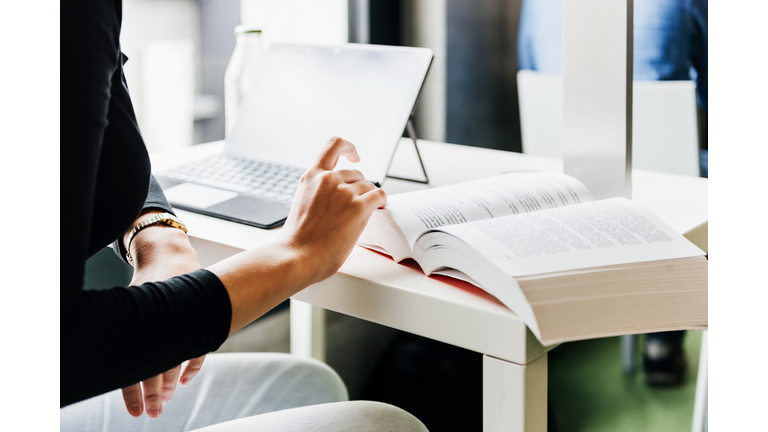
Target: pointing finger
[334,148]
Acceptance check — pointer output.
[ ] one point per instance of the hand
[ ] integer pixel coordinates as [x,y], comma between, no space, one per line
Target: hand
[330,211]
[158,390]
[161,252]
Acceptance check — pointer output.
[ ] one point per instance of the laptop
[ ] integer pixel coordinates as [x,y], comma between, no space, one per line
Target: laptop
[303,96]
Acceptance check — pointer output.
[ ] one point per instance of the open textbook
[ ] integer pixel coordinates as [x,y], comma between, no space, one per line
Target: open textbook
[571,267]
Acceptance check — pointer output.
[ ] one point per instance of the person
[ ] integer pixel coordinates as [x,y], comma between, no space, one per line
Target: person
[121,348]
[670,43]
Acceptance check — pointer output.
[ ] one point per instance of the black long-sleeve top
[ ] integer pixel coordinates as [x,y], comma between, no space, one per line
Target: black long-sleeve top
[119,336]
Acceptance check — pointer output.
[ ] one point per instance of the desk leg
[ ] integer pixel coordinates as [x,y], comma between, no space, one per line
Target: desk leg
[514,396]
[307,330]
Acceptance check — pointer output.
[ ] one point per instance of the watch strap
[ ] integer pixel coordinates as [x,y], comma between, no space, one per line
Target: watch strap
[163,218]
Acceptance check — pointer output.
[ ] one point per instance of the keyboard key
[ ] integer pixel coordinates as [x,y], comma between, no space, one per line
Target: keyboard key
[241,175]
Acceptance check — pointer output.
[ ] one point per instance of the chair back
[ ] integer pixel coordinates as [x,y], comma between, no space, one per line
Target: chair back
[664,131]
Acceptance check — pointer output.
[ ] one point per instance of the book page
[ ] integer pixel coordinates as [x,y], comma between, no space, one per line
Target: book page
[600,233]
[508,194]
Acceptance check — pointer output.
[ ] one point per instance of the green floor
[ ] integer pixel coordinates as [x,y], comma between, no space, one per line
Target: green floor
[589,392]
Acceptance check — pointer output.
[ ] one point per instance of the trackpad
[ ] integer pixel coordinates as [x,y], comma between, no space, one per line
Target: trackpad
[260,212]
[197,196]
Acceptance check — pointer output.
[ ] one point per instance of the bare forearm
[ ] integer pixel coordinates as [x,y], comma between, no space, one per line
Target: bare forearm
[259,279]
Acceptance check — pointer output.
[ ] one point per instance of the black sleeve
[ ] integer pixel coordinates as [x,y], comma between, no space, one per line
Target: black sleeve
[155,200]
[115,337]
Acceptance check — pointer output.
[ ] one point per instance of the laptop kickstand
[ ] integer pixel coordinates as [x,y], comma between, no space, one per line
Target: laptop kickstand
[412,135]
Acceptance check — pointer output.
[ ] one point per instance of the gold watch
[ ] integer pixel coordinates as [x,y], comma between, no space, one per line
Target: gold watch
[162,218]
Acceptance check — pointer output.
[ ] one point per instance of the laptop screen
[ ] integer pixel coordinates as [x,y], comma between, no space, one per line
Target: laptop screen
[304,95]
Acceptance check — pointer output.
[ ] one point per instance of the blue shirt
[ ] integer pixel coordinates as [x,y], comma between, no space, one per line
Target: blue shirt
[670,40]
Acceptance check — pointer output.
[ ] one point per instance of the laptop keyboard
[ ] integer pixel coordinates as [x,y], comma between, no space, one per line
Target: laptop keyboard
[245,176]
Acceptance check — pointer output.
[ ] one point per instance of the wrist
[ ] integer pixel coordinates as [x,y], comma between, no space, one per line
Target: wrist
[151,218]
[161,243]
[145,214]
[306,265]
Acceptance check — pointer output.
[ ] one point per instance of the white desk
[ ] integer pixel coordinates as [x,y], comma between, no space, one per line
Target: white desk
[374,288]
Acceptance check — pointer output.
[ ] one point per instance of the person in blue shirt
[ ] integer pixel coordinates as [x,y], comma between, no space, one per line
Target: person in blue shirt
[670,43]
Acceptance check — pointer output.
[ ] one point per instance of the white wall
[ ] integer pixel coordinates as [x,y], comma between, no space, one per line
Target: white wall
[147,26]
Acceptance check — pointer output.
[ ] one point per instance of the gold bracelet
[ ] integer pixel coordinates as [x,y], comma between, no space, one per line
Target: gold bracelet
[164,218]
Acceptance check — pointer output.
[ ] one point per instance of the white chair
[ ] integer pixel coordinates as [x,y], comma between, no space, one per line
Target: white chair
[168,94]
[664,132]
